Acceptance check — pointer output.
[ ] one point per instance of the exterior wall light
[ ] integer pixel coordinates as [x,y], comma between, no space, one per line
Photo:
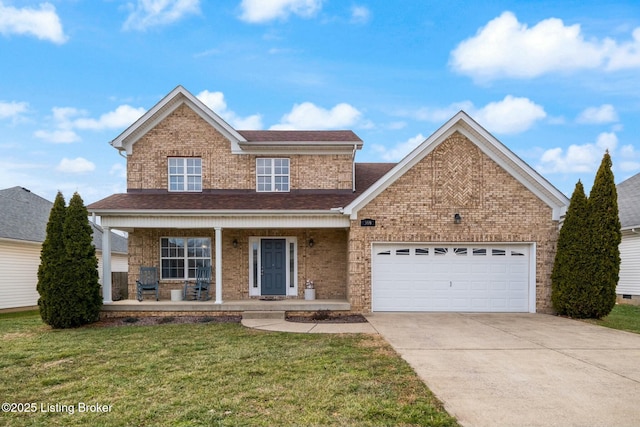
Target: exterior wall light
[311,243]
[457,219]
[235,243]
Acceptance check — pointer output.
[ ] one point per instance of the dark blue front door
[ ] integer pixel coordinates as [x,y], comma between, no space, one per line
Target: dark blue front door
[274,273]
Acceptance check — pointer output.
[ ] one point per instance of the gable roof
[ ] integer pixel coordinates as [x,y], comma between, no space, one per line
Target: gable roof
[629,202]
[167,105]
[241,141]
[489,145]
[24,216]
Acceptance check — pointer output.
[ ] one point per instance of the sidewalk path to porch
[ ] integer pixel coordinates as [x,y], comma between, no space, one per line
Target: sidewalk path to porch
[279,325]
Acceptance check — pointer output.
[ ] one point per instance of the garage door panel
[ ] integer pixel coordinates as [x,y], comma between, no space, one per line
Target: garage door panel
[455,277]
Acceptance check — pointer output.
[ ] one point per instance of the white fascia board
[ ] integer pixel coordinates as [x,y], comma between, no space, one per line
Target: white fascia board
[211,213]
[168,104]
[291,149]
[418,153]
[489,145]
[264,221]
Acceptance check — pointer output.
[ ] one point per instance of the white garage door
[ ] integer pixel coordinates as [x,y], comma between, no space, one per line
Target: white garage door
[457,277]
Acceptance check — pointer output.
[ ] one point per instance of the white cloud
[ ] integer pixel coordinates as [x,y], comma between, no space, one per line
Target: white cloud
[151,13]
[77,165]
[598,115]
[506,47]
[59,136]
[215,101]
[66,120]
[508,116]
[308,116]
[121,117]
[42,23]
[439,115]
[118,170]
[511,115]
[578,158]
[259,11]
[398,151]
[631,158]
[12,109]
[626,55]
[360,14]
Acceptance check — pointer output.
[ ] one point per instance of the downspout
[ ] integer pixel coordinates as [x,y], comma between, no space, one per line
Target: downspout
[353,168]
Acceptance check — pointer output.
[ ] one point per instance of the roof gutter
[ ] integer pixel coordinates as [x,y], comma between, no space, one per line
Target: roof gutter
[214,213]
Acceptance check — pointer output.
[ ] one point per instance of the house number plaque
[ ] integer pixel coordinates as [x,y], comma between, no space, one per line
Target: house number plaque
[367,222]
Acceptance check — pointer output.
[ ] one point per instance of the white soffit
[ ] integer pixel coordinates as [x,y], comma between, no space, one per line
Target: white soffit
[489,145]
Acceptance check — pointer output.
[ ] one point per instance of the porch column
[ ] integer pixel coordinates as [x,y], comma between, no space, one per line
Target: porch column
[106,265]
[218,265]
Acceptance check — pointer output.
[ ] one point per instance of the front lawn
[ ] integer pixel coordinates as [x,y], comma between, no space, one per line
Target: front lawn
[623,316]
[204,374]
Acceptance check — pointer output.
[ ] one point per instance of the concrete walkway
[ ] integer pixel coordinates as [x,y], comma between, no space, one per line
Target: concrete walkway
[314,328]
[521,369]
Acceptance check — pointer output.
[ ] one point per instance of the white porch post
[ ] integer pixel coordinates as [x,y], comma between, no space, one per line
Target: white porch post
[218,265]
[106,265]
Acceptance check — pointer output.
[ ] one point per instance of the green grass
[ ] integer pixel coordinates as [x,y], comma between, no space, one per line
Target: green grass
[623,316]
[207,374]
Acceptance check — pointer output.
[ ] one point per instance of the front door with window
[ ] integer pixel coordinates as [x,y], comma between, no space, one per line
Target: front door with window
[274,266]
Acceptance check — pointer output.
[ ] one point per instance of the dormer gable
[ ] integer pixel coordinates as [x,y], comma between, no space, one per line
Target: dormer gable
[167,105]
[242,141]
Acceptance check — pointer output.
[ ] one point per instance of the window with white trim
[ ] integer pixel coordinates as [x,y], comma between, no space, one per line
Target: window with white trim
[181,256]
[185,174]
[272,175]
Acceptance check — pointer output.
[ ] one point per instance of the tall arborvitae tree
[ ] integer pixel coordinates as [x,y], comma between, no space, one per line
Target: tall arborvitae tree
[80,277]
[569,277]
[52,263]
[605,236]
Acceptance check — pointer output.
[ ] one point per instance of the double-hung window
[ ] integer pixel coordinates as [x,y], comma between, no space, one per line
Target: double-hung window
[272,174]
[185,174]
[181,256]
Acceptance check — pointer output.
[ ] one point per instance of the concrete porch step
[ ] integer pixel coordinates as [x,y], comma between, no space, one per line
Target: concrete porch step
[263,315]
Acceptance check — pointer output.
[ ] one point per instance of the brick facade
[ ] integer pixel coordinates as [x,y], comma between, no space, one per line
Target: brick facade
[419,207]
[185,134]
[325,263]
[456,177]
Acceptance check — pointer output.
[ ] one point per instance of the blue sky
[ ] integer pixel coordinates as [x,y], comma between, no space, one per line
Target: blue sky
[556,82]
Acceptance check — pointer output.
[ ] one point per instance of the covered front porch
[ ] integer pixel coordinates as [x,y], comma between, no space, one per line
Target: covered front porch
[267,258]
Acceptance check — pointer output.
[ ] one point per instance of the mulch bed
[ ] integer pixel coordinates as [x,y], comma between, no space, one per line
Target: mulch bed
[163,320]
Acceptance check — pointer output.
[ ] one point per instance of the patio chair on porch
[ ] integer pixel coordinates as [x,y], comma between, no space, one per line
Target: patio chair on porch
[148,283]
[198,289]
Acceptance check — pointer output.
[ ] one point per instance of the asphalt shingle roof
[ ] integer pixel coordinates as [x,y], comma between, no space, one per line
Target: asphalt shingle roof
[299,200]
[629,202]
[24,216]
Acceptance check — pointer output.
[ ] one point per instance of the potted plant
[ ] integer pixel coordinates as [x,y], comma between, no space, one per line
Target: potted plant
[309,290]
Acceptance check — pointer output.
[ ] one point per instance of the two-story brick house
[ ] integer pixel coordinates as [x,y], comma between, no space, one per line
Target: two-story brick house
[461,223]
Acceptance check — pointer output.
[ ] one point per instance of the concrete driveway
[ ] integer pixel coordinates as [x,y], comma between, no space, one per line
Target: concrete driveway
[521,369]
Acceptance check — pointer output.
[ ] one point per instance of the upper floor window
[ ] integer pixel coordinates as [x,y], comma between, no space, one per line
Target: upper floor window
[185,174]
[272,174]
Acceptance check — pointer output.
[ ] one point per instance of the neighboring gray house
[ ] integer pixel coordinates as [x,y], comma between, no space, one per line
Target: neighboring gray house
[629,207]
[23,225]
